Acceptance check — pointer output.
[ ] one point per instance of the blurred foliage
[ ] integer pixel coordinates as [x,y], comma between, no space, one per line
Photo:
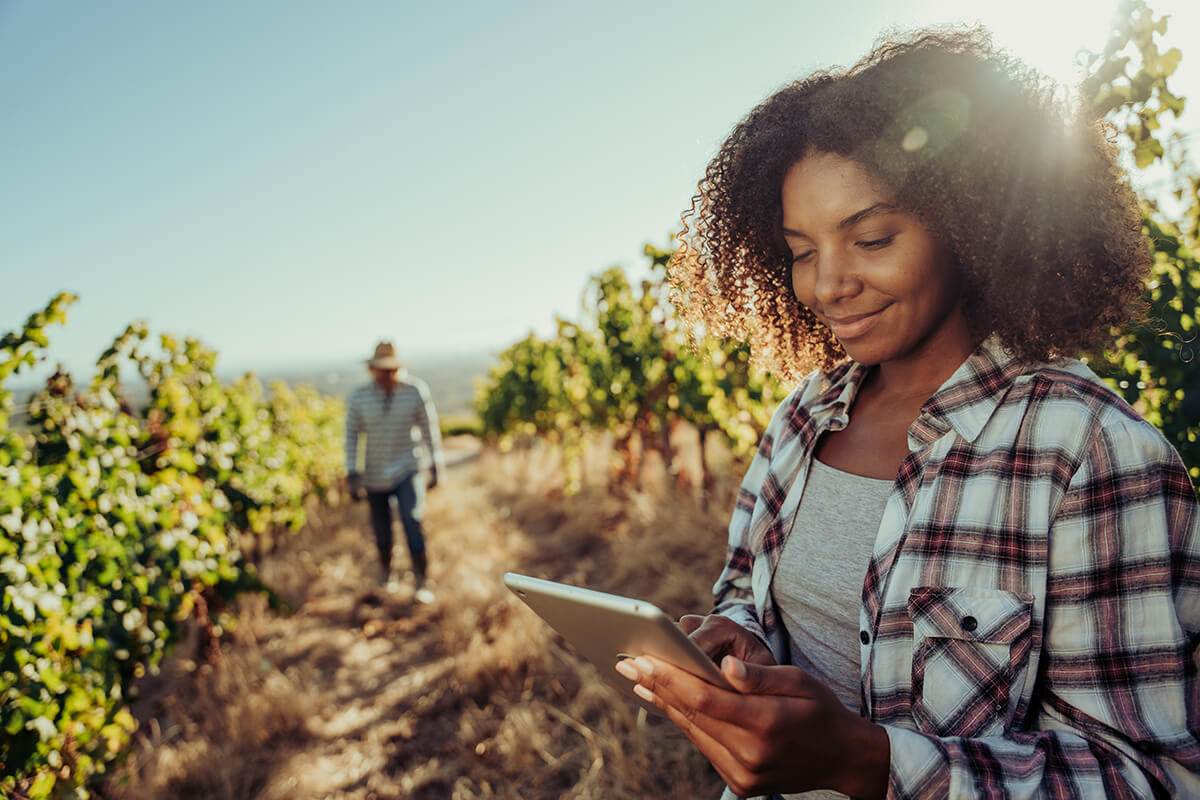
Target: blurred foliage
[466,424]
[1154,364]
[119,527]
[625,368]
[1134,100]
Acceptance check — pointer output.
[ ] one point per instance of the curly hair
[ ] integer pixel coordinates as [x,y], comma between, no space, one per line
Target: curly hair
[1024,191]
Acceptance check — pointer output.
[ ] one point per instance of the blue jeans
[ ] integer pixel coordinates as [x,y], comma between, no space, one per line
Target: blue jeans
[410,500]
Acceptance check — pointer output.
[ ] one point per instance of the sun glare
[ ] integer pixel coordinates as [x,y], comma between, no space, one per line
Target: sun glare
[1049,36]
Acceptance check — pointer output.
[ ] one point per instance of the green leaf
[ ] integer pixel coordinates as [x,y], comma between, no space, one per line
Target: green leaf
[42,785]
[1168,62]
[1146,152]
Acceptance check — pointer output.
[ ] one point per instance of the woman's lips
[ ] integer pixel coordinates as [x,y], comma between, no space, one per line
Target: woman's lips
[853,325]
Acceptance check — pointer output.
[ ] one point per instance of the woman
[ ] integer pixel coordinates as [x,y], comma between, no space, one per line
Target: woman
[959,564]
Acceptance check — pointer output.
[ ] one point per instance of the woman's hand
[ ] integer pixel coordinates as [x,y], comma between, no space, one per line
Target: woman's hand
[779,731]
[720,636]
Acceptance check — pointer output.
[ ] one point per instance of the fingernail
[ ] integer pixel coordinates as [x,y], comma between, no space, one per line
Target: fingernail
[735,668]
[626,669]
[644,693]
[644,667]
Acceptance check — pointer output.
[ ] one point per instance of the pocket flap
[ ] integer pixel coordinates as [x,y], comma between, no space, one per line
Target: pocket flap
[976,615]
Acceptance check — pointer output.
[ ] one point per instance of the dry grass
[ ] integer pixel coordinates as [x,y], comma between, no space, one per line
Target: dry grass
[360,694]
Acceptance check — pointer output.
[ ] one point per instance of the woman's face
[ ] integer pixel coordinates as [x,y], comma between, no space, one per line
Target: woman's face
[887,289]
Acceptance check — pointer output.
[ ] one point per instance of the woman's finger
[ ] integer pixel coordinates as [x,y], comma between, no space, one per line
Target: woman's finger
[709,706]
[720,636]
[757,679]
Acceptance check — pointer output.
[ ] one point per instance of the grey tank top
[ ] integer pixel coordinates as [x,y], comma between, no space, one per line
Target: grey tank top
[818,580]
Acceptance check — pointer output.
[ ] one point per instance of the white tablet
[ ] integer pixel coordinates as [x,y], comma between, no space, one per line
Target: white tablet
[605,628]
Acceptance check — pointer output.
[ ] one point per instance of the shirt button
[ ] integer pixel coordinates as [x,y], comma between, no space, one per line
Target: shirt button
[969,623]
[864,637]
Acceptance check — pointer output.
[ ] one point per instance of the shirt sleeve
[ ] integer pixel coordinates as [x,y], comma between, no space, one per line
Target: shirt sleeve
[353,429]
[733,594]
[431,433]
[1118,703]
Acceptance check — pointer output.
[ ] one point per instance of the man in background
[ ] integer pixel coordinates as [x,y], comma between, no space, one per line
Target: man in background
[395,414]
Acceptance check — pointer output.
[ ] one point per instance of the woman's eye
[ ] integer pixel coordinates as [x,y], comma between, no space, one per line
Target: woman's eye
[801,258]
[877,244]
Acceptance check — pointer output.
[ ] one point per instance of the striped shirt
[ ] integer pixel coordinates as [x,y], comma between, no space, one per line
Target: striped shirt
[1031,610]
[401,432]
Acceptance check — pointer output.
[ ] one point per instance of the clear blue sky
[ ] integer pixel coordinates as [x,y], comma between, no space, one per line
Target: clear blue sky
[292,180]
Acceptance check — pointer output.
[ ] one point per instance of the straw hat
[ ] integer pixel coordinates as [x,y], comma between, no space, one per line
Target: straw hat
[385,357]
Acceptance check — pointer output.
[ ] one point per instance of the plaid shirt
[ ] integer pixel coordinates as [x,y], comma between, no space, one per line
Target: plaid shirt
[1031,610]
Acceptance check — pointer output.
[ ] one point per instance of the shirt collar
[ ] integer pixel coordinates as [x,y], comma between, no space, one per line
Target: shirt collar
[964,403]
[841,386]
[967,400]
[401,377]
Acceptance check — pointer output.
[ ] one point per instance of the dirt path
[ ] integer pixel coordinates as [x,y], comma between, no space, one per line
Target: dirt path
[363,694]
[320,698]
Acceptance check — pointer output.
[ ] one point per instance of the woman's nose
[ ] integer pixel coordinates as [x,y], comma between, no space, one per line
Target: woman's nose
[835,279]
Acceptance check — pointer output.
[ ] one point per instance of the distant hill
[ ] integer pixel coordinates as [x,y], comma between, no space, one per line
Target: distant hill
[451,380]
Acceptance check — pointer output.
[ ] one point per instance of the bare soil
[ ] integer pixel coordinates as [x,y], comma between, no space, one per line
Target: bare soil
[363,693]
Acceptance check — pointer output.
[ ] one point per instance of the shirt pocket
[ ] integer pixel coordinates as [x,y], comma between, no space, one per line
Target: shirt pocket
[969,647]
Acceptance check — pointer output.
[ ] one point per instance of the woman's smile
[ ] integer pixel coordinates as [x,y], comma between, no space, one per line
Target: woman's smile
[851,326]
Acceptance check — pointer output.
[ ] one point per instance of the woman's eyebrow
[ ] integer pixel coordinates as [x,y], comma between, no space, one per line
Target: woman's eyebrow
[878,209]
[875,210]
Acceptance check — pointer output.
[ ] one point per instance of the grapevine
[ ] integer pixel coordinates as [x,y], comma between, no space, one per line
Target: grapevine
[627,369]
[118,525]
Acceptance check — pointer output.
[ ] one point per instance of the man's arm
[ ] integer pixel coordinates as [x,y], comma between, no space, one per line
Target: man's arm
[354,428]
[431,434]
